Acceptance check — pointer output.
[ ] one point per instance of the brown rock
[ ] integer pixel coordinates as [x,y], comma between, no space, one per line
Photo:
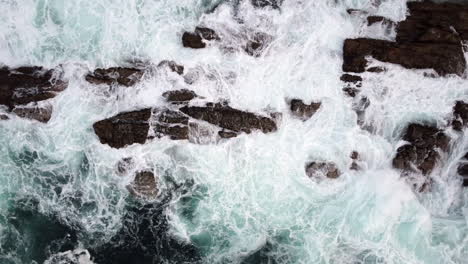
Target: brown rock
[318,169]
[421,152]
[379,19]
[115,75]
[196,40]
[443,58]
[171,123]
[124,129]
[303,111]
[230,118]
[226,134]
[41,114]
[144,185]
[25,85]
[179,96]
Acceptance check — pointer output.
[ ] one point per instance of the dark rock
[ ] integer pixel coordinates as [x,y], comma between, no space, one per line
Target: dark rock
[171,123]
[196,40]
[355,158]
[25,85]
[4,117]
[179,96]
[41,114]
[230,118]
[318,169]
[460,115]
[421,152]
[351,78]
[124,129]
[379,19]
[443,58]
[352,11]
[352,83]
[257,44]
[264,3]
[173,66]
[226,134]
[431,22]
[115,75]
[303,111]
[144,185]
[125,165]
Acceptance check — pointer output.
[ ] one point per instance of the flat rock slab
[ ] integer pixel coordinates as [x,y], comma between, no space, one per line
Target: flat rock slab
[115,75]
[443,58]
[24,85]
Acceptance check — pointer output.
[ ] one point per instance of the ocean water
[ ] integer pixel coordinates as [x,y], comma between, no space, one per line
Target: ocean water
[246,200]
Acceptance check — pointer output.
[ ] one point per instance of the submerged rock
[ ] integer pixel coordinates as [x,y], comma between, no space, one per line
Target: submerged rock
[173,66]
[460,115]
[304,111]
[41,114]
[463,172]
[257,44]
[421,152]
[265,3]
[125,165]
[179,96]
[124,129]
[355,159]
[352,84]
[144,185]
[196,39]
[24,85]
[115,75]
[443,58]
[321,169]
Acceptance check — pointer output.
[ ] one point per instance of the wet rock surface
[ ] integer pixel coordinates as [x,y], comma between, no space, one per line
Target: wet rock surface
[460,115]
[266,3]
[421,154]
[302,110]
[321,169]
[179,96]
[179,124]
[124,129]
[462,170]
[257,44]
[115,75]
[198,38]
[24,85]
[379,19]
[41,114]
[144,185]
[443,58]
[173,66]
[429,38]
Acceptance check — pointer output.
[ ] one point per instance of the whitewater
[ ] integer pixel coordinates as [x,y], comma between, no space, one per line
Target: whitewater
[245,200]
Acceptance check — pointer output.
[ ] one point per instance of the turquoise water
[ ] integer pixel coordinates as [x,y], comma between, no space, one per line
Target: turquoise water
[246,200]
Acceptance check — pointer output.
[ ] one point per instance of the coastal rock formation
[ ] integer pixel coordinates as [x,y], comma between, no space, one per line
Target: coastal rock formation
[303,111]
[460,115]
[443,58]
[173,66]
[421,153]
[144,185]
[321,169]
[179,96]
[115,75]
[463,170]
[198,38]
[179,124]
[124,129]
[352,84]
[23,86]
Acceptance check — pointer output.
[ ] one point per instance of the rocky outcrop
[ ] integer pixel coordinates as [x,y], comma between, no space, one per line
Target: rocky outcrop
[179,96]
[429,38]
[198,38]
[379,19]
[443,58]
[179,123]
[303,111]
[144,185]
[21,88]
[115,75]
[460,115]
[352,84]
[421,153]
[321,169]
[124,129]
[229,118]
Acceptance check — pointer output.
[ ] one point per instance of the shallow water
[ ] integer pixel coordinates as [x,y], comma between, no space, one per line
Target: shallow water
[246,200]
